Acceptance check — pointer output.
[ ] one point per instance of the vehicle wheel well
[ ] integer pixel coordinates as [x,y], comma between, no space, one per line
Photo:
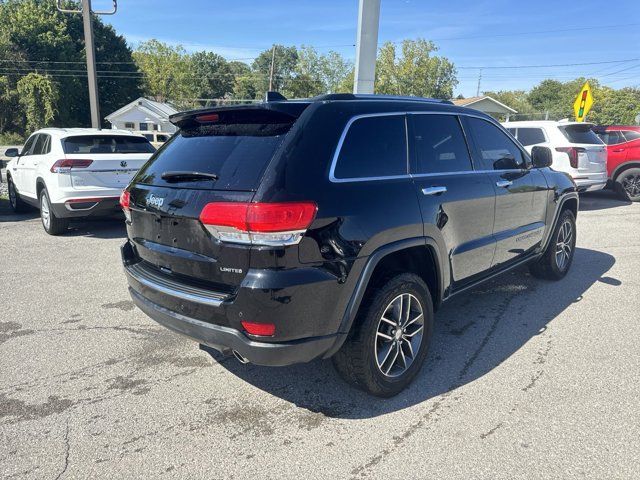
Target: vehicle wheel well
[571,204]
[419,260]
[39,186]
[623,167]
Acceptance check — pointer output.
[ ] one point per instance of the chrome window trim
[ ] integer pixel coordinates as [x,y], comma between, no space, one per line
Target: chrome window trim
[336,154]
[343,135]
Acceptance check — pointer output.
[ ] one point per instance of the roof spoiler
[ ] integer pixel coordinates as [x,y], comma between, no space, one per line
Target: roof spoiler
[274,97]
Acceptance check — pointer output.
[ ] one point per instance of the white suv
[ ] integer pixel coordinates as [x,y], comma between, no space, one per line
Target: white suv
[74,172]
[576,149]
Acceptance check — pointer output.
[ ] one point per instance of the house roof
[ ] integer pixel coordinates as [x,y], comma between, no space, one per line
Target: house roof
[468,102]
[161,110]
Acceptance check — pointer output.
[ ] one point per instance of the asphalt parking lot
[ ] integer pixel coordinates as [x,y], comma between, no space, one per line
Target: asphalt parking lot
[525,379]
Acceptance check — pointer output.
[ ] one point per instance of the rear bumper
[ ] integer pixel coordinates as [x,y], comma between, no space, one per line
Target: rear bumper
[298,301]
[591,182]
[87,207]
[226,339]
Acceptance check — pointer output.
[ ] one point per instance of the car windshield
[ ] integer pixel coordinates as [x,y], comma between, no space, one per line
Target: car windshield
[106,144]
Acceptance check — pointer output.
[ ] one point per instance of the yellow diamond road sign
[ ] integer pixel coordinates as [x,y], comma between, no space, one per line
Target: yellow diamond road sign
[583,103]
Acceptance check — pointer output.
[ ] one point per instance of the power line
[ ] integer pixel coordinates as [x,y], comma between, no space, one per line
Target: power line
[550,65]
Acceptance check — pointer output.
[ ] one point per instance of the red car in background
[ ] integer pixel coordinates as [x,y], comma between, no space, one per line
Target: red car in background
[623,158]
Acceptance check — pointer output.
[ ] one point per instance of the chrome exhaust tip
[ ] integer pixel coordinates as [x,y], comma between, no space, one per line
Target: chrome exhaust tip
[240,358]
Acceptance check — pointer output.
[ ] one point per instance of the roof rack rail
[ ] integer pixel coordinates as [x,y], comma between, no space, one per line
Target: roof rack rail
[370,96]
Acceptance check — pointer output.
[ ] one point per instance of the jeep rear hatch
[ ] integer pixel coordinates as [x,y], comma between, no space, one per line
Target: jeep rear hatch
[217,156]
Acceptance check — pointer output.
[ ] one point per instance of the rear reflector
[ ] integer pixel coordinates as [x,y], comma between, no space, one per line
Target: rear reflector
[261,329]
[61,166]
[258,223]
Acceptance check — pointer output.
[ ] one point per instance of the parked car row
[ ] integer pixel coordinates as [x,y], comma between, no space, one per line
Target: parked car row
[594,156]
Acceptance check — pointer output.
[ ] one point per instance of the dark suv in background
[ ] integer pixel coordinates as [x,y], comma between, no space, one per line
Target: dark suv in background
[335,226]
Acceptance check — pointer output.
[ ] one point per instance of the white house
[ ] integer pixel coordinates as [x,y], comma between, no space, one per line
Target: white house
[486,104]
[143,115]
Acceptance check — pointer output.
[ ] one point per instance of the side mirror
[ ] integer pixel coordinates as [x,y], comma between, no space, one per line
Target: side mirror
[11,152]
[508,162]
[541,157]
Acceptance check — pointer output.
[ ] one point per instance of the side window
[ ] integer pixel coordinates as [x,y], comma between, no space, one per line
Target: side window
[41,145]
[439,144]
[530,136]
[47,145]
[512,131]
[28,146]
[494,149]
[373,147]
[630,135]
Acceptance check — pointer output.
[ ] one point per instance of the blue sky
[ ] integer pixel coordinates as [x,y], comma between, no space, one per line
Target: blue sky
[482,33]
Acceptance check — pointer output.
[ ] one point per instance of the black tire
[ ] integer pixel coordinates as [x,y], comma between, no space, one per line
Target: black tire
[549,266]
[15,202]
[357,360]
[52,225]
[627,185]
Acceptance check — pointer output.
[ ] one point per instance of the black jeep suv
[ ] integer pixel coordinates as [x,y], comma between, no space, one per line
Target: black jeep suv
[289,231]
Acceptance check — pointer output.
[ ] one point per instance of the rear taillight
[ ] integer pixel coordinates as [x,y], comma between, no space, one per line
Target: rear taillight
[125,202]
[258,223]
[62,166]
[261,329]
[573,154]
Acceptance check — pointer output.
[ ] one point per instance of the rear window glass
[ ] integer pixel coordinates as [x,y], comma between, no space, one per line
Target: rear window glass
[530,136]
[373,147]
[631,135]
[237,153]
[106,144]
[580,134]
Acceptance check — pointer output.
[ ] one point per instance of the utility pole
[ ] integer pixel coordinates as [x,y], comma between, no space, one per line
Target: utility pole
[85,10]
[366,46]
[479,80]
[273,61]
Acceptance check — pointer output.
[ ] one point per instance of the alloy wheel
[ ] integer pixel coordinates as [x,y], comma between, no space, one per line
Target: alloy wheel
[399,335]
[564,245]
[631,185]
[13,199]
[45,212]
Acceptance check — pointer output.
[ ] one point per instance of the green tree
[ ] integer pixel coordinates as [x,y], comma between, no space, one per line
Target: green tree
[516,99]
[319,73]
[38,96]
[165,69]
[209,75]
[285,61]
[414,70]
[36,38]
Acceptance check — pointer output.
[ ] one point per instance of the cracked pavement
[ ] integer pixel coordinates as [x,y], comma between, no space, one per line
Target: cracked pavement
[525,378]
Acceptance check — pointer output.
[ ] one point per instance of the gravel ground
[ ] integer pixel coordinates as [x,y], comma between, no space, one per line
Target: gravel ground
[525,379]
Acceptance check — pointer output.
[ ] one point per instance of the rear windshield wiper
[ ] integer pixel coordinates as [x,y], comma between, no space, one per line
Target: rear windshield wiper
[187,176]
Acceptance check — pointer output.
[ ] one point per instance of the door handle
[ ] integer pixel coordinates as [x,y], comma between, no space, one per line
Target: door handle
[618,150]
[433,190]
[504,183]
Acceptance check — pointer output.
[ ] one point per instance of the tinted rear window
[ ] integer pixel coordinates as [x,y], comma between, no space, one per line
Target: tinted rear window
[236,153]
[580,134]
[106,144]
